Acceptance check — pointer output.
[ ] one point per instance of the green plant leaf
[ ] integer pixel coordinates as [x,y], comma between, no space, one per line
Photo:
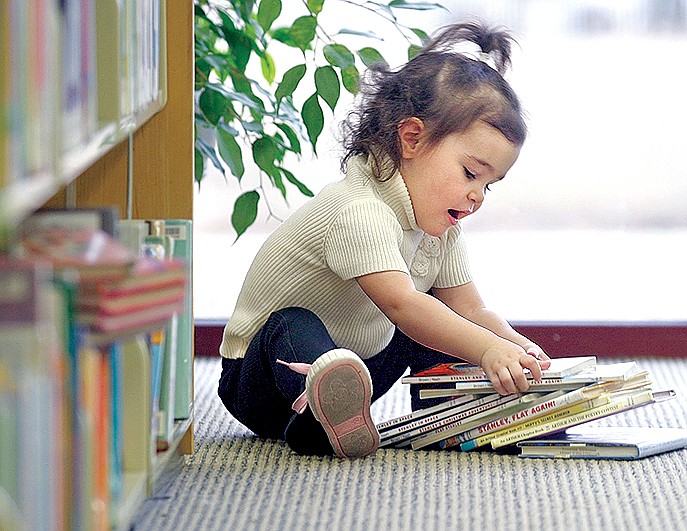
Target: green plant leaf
[327,85]
[294,143]
[416,6]
[350,78]
[265,152]
[268,11]
[209,152]
[289,83]
[313,118]
[269,69]
[212,103]
[199,169]
[302,31]
[283,35]
[245,212]
[279,183]
[360,33]
[422,35]
[240,48]
[370,56]
[315,6]
[298,184]
[413,50]
[338,55]
[230,151]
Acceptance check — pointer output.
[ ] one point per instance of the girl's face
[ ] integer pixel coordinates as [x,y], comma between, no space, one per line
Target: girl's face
[448,181]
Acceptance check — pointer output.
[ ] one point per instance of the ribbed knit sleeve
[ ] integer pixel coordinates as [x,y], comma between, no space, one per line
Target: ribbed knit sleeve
[364,238]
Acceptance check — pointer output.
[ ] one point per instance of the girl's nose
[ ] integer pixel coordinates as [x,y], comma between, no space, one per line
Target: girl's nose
[476,196]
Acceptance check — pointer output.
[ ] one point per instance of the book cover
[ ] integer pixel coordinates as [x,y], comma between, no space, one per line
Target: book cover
[602,373]
[550,404]
[424,423]
[151,316]
[606,442]
[456,372]
[503,405]
[181,231]
[615,405]
[168,385]
[129,302]
[95,218]
[470,410]
[424,412]
[147,274]
[93,253]
[556,414]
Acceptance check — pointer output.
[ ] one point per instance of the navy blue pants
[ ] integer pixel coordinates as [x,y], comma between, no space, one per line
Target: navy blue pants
[259,392]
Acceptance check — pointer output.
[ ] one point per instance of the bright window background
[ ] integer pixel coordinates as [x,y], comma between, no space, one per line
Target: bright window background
[591,223]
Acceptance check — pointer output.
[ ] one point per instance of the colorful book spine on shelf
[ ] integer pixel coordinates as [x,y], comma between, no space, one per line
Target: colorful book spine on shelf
[181,230]
[31,382]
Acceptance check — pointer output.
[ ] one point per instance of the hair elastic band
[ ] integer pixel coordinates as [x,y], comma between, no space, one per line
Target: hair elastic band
[482,57]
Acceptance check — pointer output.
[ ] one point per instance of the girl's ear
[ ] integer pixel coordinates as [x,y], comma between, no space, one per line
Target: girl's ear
[410,132]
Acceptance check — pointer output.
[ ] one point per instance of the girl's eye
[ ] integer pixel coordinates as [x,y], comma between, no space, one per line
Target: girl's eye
[469,174]
[487,188]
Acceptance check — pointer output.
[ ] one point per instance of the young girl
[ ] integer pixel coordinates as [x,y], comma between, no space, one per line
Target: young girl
[371,277]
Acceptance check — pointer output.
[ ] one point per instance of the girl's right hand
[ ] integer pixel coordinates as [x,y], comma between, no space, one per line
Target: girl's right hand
[504,365]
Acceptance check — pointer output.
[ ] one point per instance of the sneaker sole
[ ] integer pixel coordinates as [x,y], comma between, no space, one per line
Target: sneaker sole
[339,393]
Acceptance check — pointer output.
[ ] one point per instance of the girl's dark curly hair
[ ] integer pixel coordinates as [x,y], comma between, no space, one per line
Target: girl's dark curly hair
[446,89]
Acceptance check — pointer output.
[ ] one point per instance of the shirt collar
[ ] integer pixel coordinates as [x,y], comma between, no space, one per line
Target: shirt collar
[392,191]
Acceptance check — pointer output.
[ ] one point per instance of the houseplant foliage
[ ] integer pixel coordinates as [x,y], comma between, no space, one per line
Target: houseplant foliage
[248,107]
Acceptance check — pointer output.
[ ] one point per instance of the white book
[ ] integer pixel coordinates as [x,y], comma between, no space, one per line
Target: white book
[602,373]
[459,372]
[463,406]
[424,412]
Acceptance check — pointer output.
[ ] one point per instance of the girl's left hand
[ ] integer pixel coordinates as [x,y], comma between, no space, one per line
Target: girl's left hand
[538,353]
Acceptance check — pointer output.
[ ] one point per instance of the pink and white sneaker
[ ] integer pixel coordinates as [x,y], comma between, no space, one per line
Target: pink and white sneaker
[339,391]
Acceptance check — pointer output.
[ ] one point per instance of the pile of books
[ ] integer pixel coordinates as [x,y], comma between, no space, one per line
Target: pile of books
[472,415]
[119,294]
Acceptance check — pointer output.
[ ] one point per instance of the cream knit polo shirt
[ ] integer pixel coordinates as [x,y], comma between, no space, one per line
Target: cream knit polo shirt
[351,228]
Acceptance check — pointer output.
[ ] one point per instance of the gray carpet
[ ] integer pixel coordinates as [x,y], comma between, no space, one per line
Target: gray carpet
[236,481]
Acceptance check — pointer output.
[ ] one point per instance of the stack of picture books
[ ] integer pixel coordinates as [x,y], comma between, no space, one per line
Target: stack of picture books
[471,414]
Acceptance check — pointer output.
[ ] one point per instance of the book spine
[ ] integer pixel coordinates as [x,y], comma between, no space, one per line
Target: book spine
[549,405]
[471,408]
[181,231]
[558,413]
[445,378]
[419,413]
[615,406]
[434,418]
[440,431]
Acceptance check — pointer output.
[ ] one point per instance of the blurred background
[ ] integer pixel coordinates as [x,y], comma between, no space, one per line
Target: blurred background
[591,222]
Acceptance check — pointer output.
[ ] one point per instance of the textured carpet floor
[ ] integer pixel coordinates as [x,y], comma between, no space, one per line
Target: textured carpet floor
[236,481]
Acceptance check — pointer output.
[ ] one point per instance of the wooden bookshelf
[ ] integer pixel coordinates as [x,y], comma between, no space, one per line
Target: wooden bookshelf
[142,163]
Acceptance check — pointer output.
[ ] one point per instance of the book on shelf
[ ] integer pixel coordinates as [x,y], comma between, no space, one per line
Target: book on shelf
[32,377]
[457,372]
[94,254]
[550,405]
[181,231]
[602,373]
[605,442]
[146,275]
[94,218]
